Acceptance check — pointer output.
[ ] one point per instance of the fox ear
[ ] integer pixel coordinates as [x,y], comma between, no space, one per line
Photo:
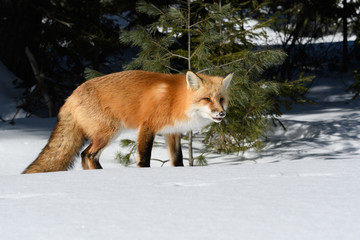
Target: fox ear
[193,81]
[226,81]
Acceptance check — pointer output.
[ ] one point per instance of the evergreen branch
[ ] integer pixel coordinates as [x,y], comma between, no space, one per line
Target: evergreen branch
[91,73]
[161,12]
[180,15]
[229,63]
[166,49]
[266,60]
[51,16]
[171,68]
[232,62]
[252,67]
[196,50]
[162,47]
[148,8]
[194,24]
[177,55]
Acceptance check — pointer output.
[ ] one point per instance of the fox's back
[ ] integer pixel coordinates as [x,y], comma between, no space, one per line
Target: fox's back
[134,97]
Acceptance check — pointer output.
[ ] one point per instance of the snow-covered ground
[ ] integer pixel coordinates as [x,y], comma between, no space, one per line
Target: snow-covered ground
[278,38]
[304,185]
[285,200]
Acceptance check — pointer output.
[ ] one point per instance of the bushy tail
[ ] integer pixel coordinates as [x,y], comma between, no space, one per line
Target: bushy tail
[63,145]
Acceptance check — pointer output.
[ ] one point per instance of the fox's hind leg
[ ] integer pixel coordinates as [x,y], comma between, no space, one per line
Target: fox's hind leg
[91,155]
[174,146]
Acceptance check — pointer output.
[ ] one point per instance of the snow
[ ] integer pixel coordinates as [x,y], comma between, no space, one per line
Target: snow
[292,200]
[304,185]
[278,38]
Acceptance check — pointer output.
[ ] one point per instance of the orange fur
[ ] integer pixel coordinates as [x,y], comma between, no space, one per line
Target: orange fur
[152,102]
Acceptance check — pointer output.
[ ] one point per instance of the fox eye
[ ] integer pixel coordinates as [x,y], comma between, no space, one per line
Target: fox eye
[221,99]
[207,99]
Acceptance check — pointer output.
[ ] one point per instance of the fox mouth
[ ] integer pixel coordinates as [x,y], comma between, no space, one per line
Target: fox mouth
[217,119]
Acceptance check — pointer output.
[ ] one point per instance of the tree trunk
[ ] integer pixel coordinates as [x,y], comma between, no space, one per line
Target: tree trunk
[191,160]
[296,33]
[40,77]
[345,60]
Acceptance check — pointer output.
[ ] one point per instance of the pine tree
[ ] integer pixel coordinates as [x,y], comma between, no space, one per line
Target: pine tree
[212,39]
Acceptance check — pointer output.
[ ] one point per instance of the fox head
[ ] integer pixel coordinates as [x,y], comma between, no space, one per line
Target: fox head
[209,95]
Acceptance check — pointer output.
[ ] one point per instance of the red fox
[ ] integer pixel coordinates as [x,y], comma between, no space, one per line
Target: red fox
[154,103]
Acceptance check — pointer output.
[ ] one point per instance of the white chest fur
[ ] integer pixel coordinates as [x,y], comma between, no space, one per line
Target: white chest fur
[195,122]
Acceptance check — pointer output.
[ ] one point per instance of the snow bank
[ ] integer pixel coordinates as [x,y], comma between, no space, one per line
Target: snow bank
[286,200]
[275,38]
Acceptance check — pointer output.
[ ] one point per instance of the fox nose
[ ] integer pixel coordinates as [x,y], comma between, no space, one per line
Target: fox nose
[222,114]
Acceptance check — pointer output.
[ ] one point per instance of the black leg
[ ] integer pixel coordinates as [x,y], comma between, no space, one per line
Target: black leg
[145,142]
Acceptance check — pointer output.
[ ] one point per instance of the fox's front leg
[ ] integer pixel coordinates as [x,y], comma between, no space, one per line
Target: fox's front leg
[174,146]
[145,142]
